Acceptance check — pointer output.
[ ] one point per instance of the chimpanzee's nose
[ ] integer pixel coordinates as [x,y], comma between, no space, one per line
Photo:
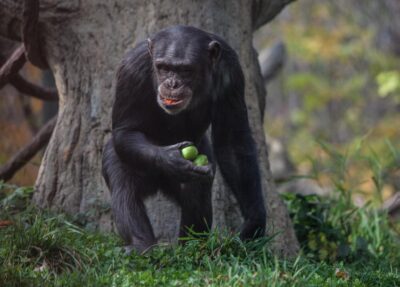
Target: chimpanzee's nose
[172,84]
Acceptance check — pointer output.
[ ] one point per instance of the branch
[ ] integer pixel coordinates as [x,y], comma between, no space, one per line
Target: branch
[8,170]
[33,90]
[266,10]
[259,85]
[30,34]
[272,61]
[12,66]
[19,82]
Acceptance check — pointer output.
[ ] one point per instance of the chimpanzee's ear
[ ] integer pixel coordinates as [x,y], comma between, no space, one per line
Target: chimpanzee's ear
[150,46]
[214,49]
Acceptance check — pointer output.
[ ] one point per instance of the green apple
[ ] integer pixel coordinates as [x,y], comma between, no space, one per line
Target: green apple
[190,152]
[201,160]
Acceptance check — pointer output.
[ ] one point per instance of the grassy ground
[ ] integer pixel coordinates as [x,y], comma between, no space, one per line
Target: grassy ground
[42,249]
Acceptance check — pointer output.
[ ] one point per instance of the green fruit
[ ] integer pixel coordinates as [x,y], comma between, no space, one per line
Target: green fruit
[189,152]
[201,160]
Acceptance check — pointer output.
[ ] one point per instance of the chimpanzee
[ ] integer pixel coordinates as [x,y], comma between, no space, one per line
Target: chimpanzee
[169,90]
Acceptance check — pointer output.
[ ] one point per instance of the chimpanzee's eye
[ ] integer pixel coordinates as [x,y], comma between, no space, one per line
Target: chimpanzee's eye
[185,72]
[162,68]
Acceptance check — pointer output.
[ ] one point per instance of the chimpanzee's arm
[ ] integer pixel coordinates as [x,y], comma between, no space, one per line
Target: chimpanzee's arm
[134,84]
[134,148]
[236,153]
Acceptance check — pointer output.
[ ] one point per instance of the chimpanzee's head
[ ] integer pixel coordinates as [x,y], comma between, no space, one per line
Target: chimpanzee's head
[183,60]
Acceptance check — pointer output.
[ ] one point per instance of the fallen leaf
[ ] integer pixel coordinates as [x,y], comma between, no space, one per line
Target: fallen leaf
[342,274]
[5,223]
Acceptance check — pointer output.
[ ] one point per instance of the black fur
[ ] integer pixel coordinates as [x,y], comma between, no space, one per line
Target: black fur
[202,73]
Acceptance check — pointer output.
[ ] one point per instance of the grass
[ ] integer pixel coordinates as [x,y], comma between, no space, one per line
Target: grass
[342,245]
[39,248]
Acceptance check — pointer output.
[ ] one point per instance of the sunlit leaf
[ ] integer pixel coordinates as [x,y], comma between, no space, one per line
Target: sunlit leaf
[388,82]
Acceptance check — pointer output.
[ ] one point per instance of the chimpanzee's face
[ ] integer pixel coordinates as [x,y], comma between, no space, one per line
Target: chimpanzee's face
[176,84]
[182,66]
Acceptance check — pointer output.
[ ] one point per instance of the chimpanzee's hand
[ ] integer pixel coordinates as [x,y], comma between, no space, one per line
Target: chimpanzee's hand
[170,160]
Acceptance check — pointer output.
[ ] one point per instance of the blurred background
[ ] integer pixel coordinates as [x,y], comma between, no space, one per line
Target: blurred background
[332,71]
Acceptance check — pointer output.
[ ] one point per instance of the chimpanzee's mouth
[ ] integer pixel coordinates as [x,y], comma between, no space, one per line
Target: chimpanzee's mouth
[171,101]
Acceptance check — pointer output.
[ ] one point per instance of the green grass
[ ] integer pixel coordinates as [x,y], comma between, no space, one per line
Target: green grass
[44,249]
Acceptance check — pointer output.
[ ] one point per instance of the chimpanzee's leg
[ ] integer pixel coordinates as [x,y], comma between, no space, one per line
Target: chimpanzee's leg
[128,189]
[196,209]
[195,200]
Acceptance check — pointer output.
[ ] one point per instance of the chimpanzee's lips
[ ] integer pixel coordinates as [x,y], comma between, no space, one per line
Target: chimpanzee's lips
[170,101]
[174,101]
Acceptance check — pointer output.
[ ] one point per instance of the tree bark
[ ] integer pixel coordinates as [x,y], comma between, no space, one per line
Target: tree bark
[83,42]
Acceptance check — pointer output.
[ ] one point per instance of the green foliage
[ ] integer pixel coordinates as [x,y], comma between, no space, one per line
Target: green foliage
[330,230]
[338,168]
[334,228]
[16,198]
[388,83]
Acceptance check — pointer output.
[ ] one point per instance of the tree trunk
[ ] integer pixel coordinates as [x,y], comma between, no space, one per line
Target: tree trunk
[84,42]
